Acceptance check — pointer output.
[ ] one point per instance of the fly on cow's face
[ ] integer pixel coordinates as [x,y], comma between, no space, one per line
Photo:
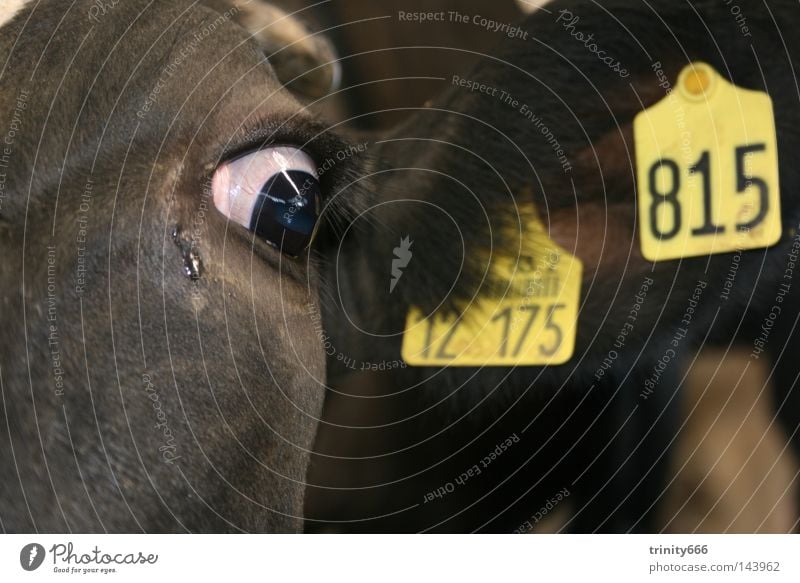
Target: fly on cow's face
[274,193]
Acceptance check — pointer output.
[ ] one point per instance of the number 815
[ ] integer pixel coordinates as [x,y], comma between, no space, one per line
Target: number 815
[702,167]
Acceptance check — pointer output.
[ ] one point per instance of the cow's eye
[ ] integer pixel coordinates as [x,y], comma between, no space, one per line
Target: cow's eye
[274,192]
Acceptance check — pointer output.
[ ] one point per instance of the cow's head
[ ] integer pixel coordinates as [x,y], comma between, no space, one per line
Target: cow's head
[160,355]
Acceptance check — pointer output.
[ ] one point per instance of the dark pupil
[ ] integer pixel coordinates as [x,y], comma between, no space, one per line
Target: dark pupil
[287,211]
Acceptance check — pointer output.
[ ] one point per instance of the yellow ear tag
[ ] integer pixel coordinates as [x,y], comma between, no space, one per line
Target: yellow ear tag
[707,169]
[531,320]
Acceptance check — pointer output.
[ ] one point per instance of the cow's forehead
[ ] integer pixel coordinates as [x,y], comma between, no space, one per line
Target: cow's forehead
[9,9]
[102,70]
[134,43]
[102,12]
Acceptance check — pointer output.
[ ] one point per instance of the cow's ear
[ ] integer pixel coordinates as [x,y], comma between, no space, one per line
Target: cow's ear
[605,168]
[9,9]
[529,6]
[303,59]
[600,225]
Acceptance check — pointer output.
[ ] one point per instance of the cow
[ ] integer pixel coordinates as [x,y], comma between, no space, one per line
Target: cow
[163,364]
[158,371]
[450,180]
